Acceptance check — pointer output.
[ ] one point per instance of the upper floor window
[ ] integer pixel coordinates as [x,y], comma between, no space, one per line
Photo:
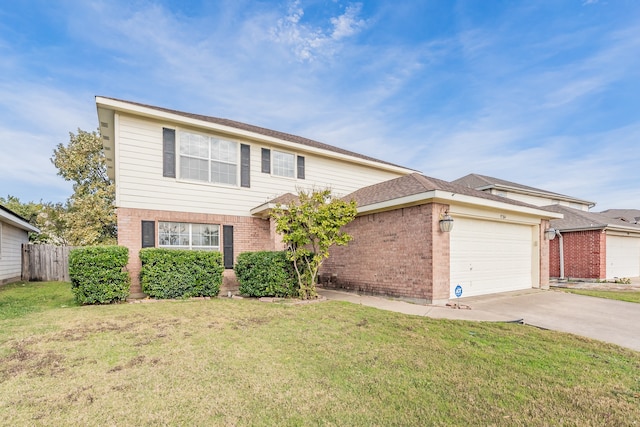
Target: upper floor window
[208,159]
[283,164]
[278,163]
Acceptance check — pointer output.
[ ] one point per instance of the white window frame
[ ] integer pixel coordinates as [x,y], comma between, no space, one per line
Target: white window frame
[277,166]
[189,234]
[209,158]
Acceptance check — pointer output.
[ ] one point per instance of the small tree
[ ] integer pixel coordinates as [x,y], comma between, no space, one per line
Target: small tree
[309,227]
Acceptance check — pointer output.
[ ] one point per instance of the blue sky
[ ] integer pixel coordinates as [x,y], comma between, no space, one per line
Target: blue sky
[544,93]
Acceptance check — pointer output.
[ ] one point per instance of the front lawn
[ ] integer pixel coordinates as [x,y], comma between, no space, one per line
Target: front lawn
[620,295]
[243,362]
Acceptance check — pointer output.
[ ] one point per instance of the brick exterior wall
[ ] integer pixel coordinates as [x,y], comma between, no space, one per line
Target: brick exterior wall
[400,253]
[585,255]
[249,234]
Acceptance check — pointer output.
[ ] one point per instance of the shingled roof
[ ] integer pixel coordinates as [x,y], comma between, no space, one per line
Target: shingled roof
[259,130]
[576,219]
[416,183]
[631,216]
[482,182]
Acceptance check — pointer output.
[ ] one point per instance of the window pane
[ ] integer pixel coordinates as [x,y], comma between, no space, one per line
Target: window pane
[223,173]
[283,164]
[194,145]
[191,168]
[205,235]
[173,234]
[224,151]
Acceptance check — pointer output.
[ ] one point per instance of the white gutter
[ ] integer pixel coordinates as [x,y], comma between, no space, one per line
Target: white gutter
[561,245]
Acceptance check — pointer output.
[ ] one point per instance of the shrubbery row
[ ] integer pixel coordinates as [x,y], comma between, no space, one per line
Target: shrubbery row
[99,276]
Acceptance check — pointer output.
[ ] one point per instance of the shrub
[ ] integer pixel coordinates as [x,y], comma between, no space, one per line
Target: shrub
[98,275]
[176,273]
[266,274]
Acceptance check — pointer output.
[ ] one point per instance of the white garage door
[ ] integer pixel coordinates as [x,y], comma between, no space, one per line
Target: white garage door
[489,257]
[623,256]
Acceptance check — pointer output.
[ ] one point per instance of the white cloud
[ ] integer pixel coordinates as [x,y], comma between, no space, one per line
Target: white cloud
[310,42]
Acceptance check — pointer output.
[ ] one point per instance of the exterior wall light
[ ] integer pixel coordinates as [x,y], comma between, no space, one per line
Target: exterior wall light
[550,233]
[446,223]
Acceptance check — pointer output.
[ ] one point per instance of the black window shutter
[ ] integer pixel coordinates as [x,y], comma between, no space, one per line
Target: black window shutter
[148,234]
[245,165]
[169,152]
[300,167]
[227,248]
[266,160]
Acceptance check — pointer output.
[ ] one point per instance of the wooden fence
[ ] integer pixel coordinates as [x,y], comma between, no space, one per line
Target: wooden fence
[44,263]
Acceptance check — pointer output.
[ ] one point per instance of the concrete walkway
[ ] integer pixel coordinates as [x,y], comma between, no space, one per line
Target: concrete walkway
[615,322]
[433,311]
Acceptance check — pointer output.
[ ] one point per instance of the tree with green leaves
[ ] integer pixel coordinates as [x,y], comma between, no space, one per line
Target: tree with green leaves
[47,216]
[90,217]
[309,226]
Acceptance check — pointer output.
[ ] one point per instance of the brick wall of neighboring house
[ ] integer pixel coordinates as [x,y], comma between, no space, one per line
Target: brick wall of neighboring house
[399,253]
[249,234]
[585,255]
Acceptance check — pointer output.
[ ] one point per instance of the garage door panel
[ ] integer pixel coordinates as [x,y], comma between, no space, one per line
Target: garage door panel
[489,257]
[623,256]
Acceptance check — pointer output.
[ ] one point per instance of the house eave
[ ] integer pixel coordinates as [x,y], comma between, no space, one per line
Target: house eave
[106,105]
[8,218]
[454,198]
[553,196]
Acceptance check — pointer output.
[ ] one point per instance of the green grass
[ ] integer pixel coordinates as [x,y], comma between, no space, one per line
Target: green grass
[620,295]
[243,362]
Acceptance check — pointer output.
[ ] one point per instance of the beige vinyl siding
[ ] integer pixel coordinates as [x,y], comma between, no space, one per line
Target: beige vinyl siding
[140,184]
[11,239]
[538,200]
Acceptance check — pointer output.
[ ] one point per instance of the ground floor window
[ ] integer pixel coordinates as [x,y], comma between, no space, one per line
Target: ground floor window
[183,235]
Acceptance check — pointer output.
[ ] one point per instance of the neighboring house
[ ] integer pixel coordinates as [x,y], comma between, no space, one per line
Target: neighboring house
[523,193]
[14,231]
[632,216]
[399,250]
[191,181]
[593,246]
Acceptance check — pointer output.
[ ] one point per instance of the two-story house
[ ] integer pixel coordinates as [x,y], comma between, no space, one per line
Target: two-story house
[191,181]
[198,182]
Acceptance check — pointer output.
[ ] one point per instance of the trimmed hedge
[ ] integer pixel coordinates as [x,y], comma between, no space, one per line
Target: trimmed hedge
[98,274]
[177,273]
[266,274]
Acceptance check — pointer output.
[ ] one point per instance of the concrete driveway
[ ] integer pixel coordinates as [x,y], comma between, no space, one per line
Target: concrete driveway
[606,320]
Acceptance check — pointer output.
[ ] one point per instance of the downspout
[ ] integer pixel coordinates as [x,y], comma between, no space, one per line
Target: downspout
[561,247]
